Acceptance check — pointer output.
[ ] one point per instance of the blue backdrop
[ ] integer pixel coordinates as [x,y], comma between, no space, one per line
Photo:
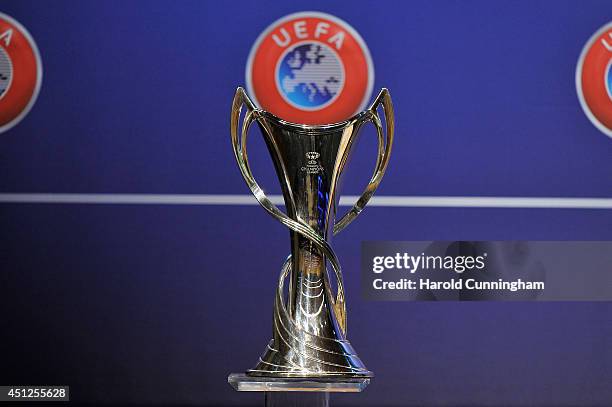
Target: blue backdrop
[158,303]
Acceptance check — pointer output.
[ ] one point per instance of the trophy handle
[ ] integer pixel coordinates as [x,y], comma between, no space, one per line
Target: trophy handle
[385,142]
[240,152]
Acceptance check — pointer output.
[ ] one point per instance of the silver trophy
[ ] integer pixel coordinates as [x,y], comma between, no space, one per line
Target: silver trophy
[309,327]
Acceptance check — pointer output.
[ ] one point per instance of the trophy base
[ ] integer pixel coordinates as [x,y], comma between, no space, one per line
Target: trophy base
[242,382]
[297,391]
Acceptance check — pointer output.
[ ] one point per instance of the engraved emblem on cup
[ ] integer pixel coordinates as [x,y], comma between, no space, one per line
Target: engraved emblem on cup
[312,165]
[309,320]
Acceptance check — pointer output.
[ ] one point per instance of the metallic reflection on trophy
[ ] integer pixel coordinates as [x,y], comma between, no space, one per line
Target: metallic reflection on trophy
[309,322]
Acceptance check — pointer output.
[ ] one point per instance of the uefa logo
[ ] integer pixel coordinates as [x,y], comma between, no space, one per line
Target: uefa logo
[594,79]
[20,72]
[310,68]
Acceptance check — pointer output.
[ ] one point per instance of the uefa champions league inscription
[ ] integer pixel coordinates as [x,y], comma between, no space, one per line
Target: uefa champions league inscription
[309,332]
[312,166]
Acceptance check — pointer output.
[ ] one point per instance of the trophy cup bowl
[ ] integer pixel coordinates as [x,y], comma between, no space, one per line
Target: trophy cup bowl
[309,322]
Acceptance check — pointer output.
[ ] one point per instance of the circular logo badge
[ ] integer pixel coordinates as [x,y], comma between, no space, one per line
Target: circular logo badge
[310,68]
[594,79]
[20,72]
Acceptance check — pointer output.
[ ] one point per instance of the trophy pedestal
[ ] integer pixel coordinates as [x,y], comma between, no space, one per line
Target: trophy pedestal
[297,392]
